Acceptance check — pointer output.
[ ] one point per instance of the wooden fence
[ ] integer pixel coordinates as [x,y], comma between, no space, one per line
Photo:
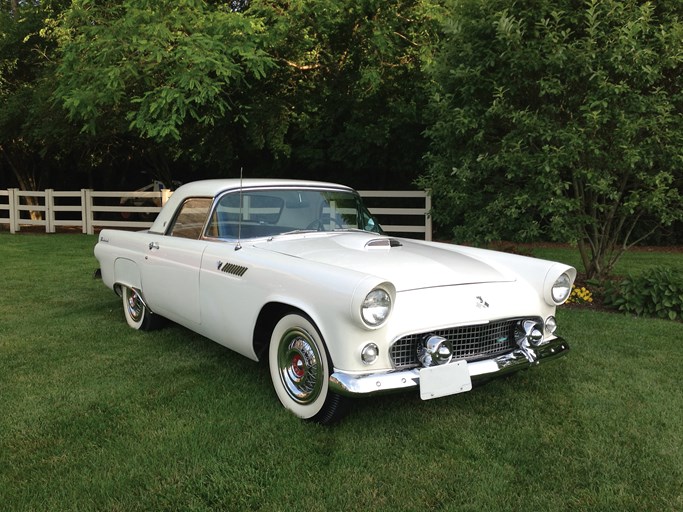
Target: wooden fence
[400,212]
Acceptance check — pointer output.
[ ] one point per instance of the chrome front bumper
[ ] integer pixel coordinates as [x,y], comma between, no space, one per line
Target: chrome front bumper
[368,384]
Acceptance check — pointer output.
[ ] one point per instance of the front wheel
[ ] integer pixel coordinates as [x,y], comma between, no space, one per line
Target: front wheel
[137,313]
[300,370]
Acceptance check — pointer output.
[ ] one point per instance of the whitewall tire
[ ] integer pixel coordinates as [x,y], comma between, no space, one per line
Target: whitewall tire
[138,315]
[300,370]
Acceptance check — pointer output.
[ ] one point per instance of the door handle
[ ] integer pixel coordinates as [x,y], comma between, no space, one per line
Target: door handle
[153,245]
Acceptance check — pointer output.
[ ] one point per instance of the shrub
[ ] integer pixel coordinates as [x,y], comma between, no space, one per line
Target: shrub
[657,292]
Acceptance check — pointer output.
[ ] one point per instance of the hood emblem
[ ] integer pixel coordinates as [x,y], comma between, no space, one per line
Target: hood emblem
[481,303]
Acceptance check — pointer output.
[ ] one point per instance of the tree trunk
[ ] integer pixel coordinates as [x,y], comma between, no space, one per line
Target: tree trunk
[27,182]
[584,251]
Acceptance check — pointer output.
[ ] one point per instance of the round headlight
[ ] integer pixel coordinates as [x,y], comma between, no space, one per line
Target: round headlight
[561,288]
[376,307]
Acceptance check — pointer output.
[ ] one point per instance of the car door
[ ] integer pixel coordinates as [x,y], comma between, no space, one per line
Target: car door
[170,274]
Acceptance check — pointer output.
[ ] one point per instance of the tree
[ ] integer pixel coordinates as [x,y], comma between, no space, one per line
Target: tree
[559,119]
[351,84]
[33,133]
[191,88]
[155,68]
[304,89]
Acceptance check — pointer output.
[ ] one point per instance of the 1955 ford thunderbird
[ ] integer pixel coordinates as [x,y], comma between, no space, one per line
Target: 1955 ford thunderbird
[300,274]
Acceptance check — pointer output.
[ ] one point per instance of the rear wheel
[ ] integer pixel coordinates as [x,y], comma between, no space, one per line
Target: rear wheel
[300,370]
[137,313]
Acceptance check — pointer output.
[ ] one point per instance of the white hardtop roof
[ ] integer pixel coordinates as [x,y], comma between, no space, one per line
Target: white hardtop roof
[215,186]
[212,188]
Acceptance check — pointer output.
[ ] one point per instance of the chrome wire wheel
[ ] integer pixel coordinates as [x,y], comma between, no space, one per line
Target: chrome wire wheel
[300,366]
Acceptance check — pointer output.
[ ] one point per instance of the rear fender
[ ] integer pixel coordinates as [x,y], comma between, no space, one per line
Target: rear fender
[126,273]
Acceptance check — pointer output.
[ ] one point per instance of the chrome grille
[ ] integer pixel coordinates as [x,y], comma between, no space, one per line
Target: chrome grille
[470,342]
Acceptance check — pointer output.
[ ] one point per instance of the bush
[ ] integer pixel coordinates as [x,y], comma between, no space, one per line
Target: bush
[657,292]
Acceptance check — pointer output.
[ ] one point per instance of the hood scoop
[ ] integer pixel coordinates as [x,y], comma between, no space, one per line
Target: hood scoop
[382,243]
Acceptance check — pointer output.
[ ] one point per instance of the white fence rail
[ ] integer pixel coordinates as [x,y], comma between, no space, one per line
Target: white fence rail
[404,212]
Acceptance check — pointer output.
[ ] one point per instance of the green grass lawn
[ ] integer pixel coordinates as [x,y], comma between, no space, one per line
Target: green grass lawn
[96,416]
[631,262]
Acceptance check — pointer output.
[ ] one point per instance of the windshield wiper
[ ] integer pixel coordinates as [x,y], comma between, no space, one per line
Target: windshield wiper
[298,231]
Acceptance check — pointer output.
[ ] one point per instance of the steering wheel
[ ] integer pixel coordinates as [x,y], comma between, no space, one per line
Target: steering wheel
[319,224]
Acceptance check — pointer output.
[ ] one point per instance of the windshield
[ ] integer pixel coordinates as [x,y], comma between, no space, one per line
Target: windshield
[269,212]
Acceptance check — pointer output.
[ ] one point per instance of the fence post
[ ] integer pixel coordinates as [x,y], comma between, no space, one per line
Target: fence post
[13,210]
[84,227]
[165,195]
[49,211]
[428,215]
[88,220]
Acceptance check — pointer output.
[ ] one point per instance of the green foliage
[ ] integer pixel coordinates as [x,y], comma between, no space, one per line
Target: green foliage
[657,292]
[202,88]
[559,120]
[156,65]
[30,130]
[350,83]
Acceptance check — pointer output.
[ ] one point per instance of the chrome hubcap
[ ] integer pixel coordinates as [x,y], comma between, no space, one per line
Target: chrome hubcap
[300,366]
[135,305]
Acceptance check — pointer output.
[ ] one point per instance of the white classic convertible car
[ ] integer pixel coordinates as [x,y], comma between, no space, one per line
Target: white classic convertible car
[300,274]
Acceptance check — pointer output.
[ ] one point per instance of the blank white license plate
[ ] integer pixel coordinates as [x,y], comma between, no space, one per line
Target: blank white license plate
[448,379]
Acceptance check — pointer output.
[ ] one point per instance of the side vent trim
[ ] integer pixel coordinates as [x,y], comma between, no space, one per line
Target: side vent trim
[231,268]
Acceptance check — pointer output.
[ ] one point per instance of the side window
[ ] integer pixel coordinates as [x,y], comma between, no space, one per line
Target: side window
[191,218]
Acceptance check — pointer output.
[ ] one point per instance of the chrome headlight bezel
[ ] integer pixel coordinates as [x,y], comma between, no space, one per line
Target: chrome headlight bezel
[376,307]
[369,353]
[557,284]
[550,325]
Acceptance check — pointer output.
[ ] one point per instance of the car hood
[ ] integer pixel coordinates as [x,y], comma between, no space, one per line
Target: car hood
[407,264]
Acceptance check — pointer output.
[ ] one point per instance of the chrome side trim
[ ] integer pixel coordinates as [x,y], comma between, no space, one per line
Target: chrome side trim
[371,384]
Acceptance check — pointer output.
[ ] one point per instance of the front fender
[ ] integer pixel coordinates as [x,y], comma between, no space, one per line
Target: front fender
[332,308]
